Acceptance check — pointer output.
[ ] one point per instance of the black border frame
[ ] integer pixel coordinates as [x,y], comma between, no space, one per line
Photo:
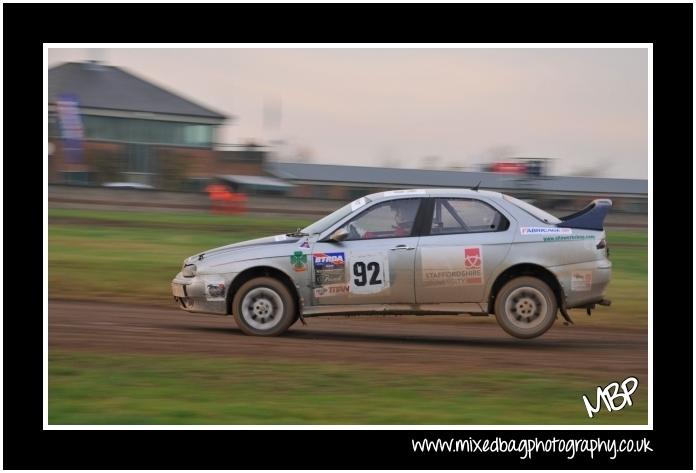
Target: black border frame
[27,26]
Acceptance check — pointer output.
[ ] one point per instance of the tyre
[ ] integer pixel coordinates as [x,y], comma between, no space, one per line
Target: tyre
[264,306]
[525,307]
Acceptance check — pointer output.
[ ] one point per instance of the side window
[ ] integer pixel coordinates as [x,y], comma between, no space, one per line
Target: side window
[387,220]
[466,216]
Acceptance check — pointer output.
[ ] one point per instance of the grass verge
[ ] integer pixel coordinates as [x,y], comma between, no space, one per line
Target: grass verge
[86,388]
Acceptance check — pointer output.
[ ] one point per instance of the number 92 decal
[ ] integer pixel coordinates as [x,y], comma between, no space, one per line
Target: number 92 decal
[369,273]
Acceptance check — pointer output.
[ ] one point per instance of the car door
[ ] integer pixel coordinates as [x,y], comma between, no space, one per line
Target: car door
[467,240]
[375,264]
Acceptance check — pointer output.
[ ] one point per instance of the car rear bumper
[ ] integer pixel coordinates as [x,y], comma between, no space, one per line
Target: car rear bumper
[583,283]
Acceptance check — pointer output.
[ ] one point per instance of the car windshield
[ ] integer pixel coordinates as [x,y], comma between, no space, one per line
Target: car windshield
[324,223]
[533,211]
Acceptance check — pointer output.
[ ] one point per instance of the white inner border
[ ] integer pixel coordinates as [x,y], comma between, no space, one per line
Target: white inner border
[648,46]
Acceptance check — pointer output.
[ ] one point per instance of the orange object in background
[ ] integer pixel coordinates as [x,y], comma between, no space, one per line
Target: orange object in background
[224,201]
[509,168]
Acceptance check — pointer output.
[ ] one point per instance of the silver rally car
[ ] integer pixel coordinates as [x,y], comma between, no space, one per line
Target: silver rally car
[416,251]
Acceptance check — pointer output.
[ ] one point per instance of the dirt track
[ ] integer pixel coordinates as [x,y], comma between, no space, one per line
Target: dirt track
[413,343]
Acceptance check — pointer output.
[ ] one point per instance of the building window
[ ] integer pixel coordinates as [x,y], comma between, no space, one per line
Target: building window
[78,178]
[132,130]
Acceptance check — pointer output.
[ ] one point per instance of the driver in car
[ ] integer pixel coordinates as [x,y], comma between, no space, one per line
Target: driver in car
[405,215]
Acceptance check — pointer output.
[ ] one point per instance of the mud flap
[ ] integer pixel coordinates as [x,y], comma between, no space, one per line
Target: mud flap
[566,316]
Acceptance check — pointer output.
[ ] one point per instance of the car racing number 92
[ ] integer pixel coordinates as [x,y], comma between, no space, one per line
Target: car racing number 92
[369,273]
[360,271]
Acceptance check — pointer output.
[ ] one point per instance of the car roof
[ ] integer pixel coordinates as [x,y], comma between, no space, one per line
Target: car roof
[434,192]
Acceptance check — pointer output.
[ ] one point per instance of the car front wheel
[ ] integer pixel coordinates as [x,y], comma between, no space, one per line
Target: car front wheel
[263,306]
[525,307]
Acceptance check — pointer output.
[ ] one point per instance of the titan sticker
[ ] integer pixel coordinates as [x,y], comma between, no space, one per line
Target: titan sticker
[332,290]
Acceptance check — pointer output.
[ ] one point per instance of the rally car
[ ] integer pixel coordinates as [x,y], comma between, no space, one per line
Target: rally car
[415,251]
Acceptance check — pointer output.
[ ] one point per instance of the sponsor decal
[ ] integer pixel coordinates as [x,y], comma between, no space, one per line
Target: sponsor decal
[581,281]
[329,268]
[369,273]
[304,244]
[281,237]
[402,192]
[298,261]
[545,231]
[214,289]
[569,237]
[449,267]
[473,265]
[332,290]
[356,204]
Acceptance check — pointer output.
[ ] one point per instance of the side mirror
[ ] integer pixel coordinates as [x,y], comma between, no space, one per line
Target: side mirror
[339,235]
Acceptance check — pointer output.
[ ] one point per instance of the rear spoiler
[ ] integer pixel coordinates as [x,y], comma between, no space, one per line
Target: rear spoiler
[589,218]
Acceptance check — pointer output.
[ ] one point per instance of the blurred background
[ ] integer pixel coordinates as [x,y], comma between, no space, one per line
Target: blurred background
[157,154]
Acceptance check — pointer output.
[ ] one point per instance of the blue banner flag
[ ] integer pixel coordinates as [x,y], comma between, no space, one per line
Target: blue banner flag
[70,128]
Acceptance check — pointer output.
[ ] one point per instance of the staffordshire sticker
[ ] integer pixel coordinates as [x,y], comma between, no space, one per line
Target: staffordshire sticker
[453,266]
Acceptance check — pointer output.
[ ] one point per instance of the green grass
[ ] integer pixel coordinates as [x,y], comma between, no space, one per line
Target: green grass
[124,260]
[243,223]
[86,388]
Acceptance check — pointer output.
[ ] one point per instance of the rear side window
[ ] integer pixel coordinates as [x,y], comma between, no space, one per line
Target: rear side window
[465,216]
[535,212]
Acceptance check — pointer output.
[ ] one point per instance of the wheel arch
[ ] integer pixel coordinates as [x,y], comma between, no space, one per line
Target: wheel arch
[257,272]
[526,269]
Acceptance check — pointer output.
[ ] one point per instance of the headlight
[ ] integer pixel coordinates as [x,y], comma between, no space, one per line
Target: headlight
[189,270]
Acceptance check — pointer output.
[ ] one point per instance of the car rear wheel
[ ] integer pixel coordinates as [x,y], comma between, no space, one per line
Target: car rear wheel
[525,307]
[264,306]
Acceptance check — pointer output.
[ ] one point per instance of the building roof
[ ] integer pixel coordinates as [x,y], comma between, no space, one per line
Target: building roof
[112,88]
[257,182]
[397,177]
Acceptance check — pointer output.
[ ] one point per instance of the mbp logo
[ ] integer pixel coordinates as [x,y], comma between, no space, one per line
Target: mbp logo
[609,394]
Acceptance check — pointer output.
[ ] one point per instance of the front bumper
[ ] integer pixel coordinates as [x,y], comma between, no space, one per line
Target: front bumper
[201,293]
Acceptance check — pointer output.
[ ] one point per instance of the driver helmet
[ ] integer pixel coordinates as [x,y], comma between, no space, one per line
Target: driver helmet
[405,213]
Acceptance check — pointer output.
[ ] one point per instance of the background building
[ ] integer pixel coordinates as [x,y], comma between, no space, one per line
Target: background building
[106,124]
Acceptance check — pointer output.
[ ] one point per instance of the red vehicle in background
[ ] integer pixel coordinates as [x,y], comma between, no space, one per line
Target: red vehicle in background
[509,168]
[524,166]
